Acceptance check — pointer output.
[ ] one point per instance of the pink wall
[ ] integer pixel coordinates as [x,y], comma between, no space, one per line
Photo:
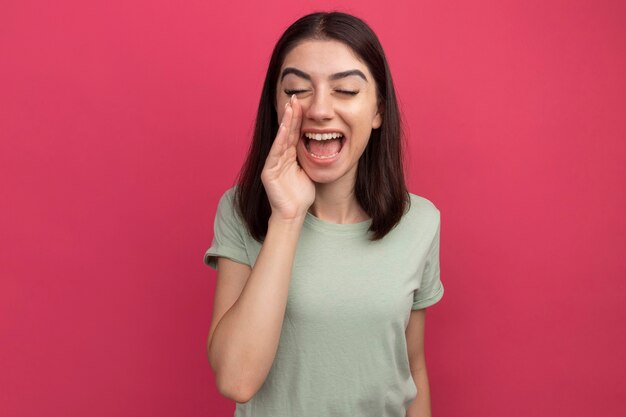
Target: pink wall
[122,122]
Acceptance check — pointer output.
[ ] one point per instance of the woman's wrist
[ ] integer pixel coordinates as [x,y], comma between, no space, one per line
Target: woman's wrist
[296,221]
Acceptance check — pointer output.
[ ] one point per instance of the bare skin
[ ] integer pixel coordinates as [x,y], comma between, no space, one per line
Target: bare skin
[289,189]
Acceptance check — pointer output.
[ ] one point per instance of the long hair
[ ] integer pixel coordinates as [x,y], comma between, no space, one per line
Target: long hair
[380,188]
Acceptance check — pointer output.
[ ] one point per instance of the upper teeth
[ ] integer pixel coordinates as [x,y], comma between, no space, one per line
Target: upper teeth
[323,136]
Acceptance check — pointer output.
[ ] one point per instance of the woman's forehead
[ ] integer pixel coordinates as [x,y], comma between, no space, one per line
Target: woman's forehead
[323,58]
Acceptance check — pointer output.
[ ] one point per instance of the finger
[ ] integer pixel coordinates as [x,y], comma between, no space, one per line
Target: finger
[296,122]
[280,141]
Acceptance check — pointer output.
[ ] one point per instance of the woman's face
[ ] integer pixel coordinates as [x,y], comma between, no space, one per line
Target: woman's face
[339,107]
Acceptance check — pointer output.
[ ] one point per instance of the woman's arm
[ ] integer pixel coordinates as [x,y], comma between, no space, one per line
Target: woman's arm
[246,330]
[244,340]
[417,361]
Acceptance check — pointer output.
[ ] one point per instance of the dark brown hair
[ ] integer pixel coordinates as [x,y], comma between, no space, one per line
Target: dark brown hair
[380,188]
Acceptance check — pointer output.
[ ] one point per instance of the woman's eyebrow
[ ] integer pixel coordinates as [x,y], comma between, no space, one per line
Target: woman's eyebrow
[296,72]
[348,73]
[336,76]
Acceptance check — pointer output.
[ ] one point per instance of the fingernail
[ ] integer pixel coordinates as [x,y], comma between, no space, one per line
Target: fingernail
[293,97]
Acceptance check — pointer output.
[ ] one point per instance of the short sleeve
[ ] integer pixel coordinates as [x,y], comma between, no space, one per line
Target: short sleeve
[431,288]
[228,234]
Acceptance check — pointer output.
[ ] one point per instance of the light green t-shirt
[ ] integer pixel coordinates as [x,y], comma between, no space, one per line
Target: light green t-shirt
[342,349]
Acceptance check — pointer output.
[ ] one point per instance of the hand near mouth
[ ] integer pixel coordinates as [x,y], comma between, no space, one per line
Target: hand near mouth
[289,189]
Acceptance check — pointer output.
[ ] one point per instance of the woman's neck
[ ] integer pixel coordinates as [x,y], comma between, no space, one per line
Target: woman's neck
[335,204]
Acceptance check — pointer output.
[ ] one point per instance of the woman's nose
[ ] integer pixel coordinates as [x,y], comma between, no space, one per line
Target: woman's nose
[320,107]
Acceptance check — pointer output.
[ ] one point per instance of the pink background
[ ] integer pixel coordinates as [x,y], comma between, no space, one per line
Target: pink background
[122,122]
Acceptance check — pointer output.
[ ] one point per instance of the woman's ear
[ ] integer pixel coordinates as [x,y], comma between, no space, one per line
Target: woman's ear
[378,119]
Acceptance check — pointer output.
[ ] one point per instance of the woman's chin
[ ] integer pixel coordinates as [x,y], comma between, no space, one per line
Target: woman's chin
[325,176]
[321,178]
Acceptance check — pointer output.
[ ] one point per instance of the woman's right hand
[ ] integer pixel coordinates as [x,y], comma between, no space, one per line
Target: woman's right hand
[289,189]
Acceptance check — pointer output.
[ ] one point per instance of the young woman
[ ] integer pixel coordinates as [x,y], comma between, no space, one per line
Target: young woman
[325,262]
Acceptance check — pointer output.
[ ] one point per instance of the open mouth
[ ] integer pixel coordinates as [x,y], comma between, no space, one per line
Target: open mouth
[323,145]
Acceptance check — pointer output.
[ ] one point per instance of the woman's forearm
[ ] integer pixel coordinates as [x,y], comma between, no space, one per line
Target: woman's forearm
[420,407]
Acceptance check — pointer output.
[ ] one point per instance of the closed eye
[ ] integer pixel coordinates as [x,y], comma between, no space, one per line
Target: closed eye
[291,92]
[345,92]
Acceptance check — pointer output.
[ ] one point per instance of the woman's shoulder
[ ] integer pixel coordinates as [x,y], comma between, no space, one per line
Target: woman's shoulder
[226,205]
[228,196]
[422,209]
[422,205]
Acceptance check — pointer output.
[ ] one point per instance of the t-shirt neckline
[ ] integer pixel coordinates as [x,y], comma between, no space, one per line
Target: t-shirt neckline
[335,228]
